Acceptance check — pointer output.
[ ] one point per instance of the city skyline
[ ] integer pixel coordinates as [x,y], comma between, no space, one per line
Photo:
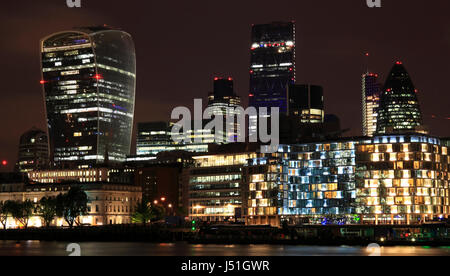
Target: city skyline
[197,81]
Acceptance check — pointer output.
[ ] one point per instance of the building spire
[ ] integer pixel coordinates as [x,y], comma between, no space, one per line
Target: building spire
[366,61]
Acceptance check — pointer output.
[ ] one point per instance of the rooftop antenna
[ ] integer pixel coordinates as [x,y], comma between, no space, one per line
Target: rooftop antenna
[366,61]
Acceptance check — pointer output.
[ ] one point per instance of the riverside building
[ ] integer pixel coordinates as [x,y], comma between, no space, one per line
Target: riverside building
[392,179]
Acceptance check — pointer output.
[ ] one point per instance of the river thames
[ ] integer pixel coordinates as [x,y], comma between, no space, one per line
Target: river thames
[36,248]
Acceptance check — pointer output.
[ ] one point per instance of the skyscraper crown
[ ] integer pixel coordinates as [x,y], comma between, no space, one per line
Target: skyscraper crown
[399,106]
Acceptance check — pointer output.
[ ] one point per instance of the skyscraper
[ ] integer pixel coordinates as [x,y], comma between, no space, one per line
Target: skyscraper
[89,79]
[272,66]
[33,151]
[223,102]
[306,101]
[156,137]
[153,138]
[399,107]
[371,90]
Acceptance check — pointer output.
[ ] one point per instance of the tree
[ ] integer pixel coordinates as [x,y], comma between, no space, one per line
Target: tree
[159,212]
[5,211]
[143,213]
[72,205]
[47,209]
[22,211]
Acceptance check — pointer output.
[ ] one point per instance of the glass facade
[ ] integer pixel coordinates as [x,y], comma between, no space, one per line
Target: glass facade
[89,79]
[215,187]
[371,90]
[392,179]
[33,151]
[306,101]
[155,137]
[223,102]
[399,107]
[272,65]
[310,180]
[402,179]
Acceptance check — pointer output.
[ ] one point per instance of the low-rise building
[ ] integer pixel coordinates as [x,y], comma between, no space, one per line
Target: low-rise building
[69,175]
[108,203]
[215,186]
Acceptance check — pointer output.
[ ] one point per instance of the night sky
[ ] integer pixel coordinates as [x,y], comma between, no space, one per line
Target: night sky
[181,45]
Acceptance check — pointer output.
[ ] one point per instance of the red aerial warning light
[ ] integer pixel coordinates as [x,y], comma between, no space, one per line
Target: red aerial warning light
[42,82]
[97,77]
[399,63]
[4,163]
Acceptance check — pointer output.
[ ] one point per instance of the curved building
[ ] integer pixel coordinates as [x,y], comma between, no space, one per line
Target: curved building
[89,80]
[399,109]
[33,151]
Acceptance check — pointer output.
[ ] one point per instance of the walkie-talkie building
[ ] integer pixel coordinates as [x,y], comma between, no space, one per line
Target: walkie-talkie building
[272,67]
[89,79]
[399,109]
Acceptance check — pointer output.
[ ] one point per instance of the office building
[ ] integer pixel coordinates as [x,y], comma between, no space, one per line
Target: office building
[223,101]
[371,89]
[402,179]
[314,181]
[307,102]
[392,179]
[156,137]
[399,109]
[89,79]
[60,176]
[215,187]
[272,67]
[153,138]
[108,203]
[33,151]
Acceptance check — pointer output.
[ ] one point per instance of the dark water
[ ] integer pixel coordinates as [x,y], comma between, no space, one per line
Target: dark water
[36,248]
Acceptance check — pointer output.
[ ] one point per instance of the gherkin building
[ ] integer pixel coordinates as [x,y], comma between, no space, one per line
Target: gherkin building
[399,109]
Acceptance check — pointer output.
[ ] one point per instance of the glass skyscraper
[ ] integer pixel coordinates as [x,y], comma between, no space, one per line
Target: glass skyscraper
[272,65]
[33,151]
[89,79]
[306,102]
[224,102]
[371,90]
[399,109]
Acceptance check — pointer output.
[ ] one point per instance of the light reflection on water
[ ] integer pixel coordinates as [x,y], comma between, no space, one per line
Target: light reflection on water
[36,248]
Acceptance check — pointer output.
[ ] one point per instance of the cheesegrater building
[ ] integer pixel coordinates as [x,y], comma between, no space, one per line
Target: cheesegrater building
[272,65]
[89,79]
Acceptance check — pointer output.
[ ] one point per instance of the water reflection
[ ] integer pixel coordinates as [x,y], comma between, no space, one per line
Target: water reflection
[36,248]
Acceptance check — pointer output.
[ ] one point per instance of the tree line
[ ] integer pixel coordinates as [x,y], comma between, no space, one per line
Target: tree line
[68,206]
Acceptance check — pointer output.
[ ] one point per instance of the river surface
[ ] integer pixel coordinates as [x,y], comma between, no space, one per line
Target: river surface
[36,248]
